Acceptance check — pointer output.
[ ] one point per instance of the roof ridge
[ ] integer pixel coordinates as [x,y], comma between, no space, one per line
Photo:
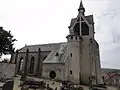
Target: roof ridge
[44,44]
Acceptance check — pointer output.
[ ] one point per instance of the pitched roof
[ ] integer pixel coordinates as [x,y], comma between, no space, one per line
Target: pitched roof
[89,19]
[60,58]
[43,47]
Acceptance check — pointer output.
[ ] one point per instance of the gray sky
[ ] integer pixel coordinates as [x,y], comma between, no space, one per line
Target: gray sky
[47,21]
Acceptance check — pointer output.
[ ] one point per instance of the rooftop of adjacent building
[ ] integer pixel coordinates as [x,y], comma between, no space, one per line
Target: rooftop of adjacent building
[109,70]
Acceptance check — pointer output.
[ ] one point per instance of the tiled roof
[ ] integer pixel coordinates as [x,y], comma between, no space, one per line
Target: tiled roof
[43,47]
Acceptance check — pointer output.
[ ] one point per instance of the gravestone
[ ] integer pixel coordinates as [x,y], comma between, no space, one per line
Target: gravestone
[25,88]
[8,85]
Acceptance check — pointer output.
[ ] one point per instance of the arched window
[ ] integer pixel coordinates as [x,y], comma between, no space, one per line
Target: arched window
[70,72]
[32,61]
[76,38]
[71,54]
[85,29]
[57,54]
[20,66]
[71,37]
[77,29]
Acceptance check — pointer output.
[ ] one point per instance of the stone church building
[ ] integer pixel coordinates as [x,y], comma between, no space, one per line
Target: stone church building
[76,60]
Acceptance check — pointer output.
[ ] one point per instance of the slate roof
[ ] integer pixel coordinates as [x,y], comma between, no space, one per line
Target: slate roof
[62,55]
[43,47]
[89,19]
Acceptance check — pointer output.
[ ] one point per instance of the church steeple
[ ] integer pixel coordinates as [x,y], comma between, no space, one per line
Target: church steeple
[81,8]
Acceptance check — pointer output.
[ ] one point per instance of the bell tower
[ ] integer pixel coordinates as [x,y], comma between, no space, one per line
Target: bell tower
[84,59]
[82,25]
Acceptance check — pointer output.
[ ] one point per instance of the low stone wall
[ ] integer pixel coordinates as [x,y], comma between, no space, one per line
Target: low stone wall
[112,88]
[7,70]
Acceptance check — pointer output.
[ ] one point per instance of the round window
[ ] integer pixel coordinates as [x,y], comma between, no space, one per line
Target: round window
[52,74]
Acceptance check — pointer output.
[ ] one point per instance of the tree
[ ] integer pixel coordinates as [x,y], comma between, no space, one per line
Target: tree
[6,42]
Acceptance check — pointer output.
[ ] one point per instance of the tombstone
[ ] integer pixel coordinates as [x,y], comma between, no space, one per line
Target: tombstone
[98,87]
[56,88]
[25,88]
[8,85]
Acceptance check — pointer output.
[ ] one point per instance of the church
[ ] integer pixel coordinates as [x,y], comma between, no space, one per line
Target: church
[76,60]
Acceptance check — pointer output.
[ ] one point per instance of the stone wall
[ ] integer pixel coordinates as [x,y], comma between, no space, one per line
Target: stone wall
[7,69]
[73,50]
[31,54]
[57,68]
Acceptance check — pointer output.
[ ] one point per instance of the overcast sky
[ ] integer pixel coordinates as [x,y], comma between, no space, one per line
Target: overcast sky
[47,21]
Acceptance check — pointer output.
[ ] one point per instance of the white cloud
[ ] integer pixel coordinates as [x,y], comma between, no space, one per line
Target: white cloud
[109,37]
